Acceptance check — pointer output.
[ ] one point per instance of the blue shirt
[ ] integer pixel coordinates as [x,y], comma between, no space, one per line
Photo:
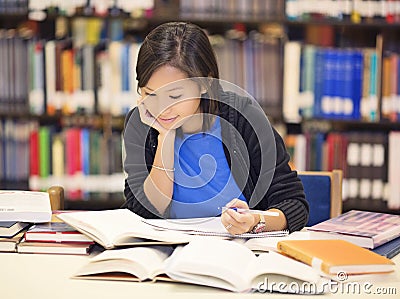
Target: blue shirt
[203,181]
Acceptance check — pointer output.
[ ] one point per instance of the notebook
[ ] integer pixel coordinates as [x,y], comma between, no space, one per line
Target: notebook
[208,226]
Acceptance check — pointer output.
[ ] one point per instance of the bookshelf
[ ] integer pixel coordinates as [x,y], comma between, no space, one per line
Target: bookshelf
[237,29]
[343,111]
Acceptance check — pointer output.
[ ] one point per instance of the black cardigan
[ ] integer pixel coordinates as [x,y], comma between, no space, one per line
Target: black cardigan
[266,183]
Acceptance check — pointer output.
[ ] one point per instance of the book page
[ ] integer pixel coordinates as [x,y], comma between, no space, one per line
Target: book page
[208,224]
[275,272]
[112,228]
[141,262]
[213,262]
[268,244]
[101,226]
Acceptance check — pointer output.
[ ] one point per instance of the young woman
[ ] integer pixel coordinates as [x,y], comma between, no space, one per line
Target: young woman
[192,147]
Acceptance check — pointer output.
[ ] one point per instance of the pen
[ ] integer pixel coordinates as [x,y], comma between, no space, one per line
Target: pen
[240,210]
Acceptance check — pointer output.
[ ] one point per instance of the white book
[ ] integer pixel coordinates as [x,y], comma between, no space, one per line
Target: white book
[25,206]
[115,51]
[50,67]
[291,85]
[394,171]
[300,153]
[134,264]
[120,227]
[36,68]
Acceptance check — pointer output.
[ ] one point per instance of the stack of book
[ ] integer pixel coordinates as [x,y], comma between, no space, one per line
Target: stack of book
[11,233]
[18,210]
[27,225]
[334,258]
[379,232]
[55,238]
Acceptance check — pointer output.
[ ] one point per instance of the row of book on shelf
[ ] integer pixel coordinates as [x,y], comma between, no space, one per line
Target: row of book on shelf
[81,159]
[67,79]
[368,160]
[232,8]
[340,83]
[68,74]
[90,73]
[125,246]
[353,10]
[293,9]
[97,7]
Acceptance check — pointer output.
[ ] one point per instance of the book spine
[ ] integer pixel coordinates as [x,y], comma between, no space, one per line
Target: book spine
[356,90]
[44,152]
[329,67]
[394,171]
[58,152]
[291,84]
[50,69]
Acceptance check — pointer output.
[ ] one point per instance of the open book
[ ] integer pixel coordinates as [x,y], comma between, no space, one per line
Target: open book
[120,227]
[206,261]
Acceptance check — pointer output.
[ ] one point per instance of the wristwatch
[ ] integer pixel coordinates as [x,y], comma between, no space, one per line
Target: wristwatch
[260,226]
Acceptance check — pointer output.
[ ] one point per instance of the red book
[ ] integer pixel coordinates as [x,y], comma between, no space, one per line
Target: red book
[59,232]
[73,158]
[73,154]
[34,153]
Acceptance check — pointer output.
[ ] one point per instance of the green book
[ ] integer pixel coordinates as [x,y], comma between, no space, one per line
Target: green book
[44,151]
[94,152]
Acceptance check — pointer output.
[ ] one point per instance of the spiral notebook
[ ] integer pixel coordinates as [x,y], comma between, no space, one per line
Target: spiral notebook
[121,227]
[209,226]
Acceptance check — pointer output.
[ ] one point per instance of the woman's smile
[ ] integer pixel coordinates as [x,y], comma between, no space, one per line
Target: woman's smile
[167,120]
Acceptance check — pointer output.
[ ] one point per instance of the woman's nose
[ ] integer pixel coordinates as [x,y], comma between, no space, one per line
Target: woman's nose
[156,108]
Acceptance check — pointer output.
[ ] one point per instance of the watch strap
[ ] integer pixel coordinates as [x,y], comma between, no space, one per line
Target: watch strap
[260,226]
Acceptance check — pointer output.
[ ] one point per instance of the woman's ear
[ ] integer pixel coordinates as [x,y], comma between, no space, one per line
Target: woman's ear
[205,86]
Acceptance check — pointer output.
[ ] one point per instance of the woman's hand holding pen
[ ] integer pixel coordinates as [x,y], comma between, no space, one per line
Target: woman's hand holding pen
[238,223]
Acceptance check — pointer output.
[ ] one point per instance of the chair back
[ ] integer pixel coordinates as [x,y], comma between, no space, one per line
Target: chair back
[56,194]
[323,191]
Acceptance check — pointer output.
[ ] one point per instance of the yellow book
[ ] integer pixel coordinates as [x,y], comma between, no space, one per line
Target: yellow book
[58,151]
[336,256]
[67,70]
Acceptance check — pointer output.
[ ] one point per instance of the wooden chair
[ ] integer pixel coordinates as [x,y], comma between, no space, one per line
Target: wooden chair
[323,191]
[56,194]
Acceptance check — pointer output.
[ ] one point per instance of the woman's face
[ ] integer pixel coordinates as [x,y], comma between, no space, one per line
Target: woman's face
[173,99]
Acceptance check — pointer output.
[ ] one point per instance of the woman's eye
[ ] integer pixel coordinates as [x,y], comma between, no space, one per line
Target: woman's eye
[175,97]
[150,94]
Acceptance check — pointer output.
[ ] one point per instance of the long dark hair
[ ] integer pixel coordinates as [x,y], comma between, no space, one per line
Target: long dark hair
[186,47]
